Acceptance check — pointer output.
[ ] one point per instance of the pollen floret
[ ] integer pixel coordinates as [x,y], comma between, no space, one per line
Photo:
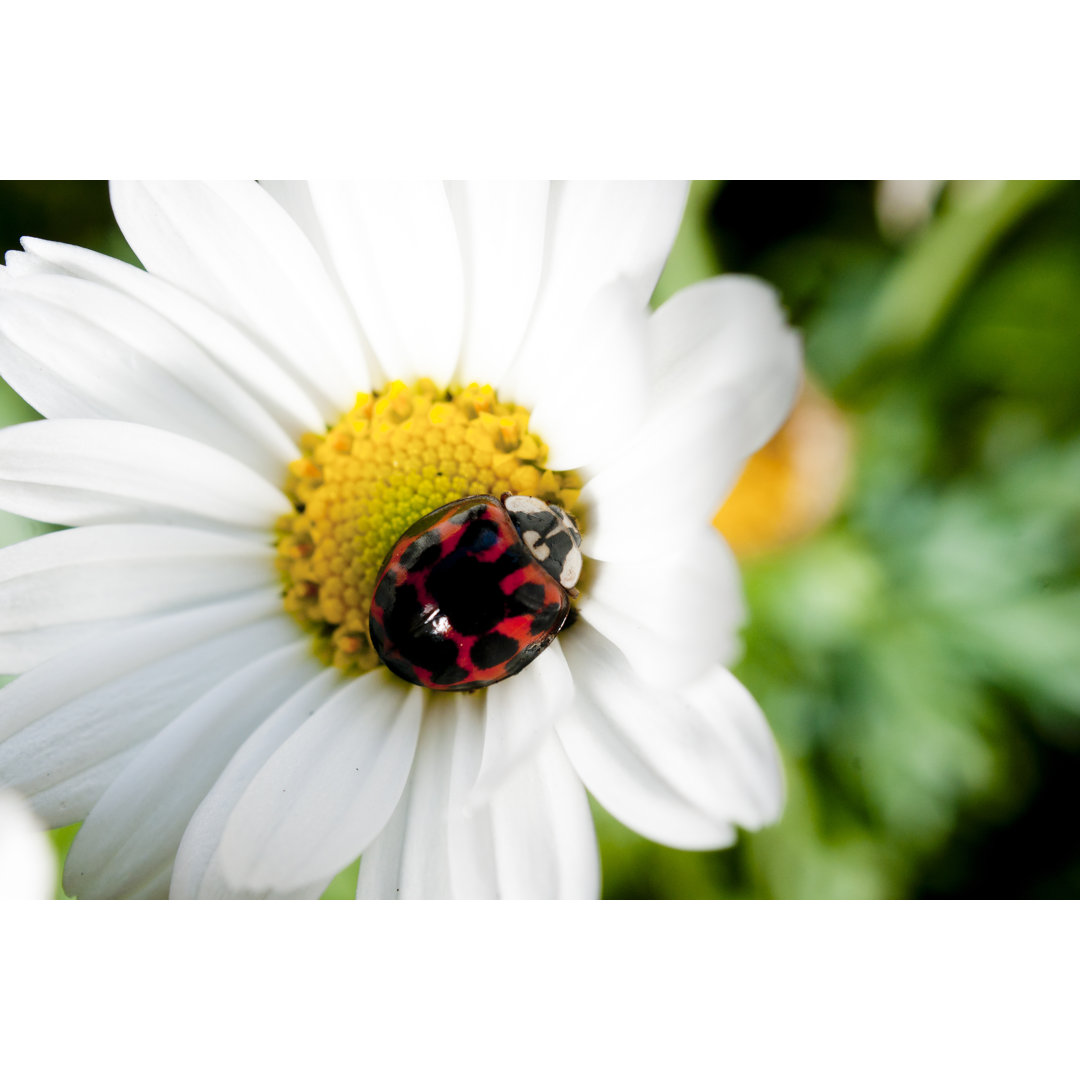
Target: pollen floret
[395,456]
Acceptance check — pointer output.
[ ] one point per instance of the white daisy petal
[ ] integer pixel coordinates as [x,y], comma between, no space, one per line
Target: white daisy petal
[672,477]
[501,227]
[23,264]
[66,725]
[679,769]
[756,773]
[468,829]
[605,229]
[132,834]
[86,472]
[519,714]
[153,888]
[198,873]
[542,830]
[294,196]
[78,349]
[600,232]
[252,367]
[78,577]
[586,381]
[396,251]
[328,791]
[234,247]
[21,650]
[532,840]
[674,616]
[410,858]
[728,337]
[729,372]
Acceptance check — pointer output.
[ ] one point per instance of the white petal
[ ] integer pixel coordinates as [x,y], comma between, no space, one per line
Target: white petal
[410,858]
[520,713]
[87,472]
[671,478]
[501,227]
[533,839]
[79,583]
[27,868]
[132,834]
[154,888]
[585,381]
[329,790]
[79,349]
[21,650]
[67,724]
[396,251]
[729,335]
[728,371]
[23,264]
[599,233]
[114,571]
[679,769]
[234,247]
[674,616]
[197,873]
[606,229]
[263,377]
[545,846]
[294,196]
[468,830]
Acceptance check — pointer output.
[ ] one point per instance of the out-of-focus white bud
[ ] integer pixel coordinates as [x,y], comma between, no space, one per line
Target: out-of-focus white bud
[903,206]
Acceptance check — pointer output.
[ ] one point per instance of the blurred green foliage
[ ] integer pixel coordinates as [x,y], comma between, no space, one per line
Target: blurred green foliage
[918,658]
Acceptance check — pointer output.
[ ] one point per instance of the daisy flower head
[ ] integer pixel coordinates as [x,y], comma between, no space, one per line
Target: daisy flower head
[238,435]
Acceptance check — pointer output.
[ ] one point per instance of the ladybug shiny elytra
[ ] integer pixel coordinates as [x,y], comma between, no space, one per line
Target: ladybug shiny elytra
[474,591]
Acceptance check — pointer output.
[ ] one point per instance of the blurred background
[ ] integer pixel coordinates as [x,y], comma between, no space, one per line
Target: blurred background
[910,541]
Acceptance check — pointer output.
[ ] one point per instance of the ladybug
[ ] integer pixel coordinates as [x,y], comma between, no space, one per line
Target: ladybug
[474,591]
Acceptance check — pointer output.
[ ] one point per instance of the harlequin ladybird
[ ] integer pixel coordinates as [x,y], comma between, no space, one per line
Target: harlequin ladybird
[474,591]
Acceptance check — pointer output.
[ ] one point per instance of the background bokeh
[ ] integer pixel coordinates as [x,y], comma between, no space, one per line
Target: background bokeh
[914,592]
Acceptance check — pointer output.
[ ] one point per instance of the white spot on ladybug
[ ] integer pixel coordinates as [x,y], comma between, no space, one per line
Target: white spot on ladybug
[534,542]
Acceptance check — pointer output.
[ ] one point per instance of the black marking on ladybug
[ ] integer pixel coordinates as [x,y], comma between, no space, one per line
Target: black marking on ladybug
[544,620]
[464,599]
[421,554]
[493,649]
[526,598]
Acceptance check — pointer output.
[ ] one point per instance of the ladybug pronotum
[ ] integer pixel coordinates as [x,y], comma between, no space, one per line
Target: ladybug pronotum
[474,591]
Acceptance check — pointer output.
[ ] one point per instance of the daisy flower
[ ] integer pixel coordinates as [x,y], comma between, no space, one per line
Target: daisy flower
[240,432]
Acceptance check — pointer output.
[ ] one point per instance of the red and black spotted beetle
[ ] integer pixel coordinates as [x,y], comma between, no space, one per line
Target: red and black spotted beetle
[474,591]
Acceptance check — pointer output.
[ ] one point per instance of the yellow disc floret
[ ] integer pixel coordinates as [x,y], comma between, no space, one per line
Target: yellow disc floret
[394,457]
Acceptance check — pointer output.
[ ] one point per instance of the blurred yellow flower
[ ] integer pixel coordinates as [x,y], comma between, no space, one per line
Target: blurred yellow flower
[794,483]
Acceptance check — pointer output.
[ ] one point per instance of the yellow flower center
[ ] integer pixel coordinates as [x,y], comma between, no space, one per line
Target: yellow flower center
[395,456]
